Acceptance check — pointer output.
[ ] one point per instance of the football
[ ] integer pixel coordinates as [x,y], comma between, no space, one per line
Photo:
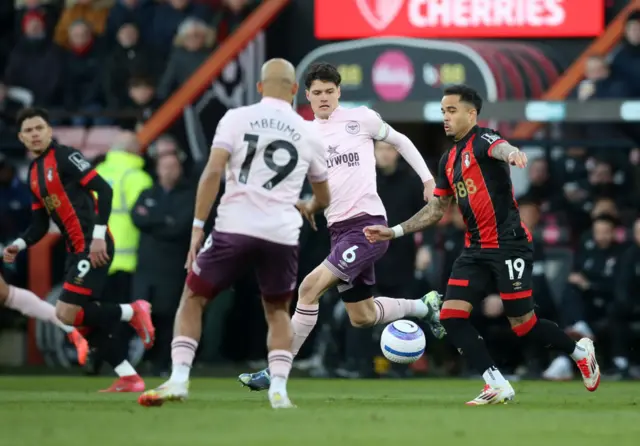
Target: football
[402,342]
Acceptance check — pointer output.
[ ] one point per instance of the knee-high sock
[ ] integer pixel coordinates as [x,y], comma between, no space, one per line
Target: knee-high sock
[303,321]
[389,309]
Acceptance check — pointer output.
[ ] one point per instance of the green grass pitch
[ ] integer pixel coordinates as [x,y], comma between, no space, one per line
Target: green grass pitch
[42,411]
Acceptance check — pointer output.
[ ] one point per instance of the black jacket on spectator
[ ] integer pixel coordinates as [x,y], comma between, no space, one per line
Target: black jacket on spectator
[546,306]
[625,66]
[165,231]
[182,64]
[597,265]
[37,66]
[82,77]
[120,65]
[628,279]
[402,195]
[142,15]
[166,21]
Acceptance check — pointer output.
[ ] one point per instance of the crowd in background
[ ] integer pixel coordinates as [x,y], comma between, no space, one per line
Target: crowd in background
[95,58]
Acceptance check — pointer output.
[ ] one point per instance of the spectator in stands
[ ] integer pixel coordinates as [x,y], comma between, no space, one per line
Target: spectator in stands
[581,194]
[15,202]
[142,98]
[625,59]
[541,187]
[8,110]
[92,12]
[192,46]
[599,83]
[589,295]
[140,12]
[627,307]
[35,64]
[169,16]
[83,75]
[164,214]
[127,59]
[231,15]
[35,8]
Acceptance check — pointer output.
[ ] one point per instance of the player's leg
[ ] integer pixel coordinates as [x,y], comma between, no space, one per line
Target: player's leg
[279,340]
[513,273]
[216,268]
[277,271]
[30,305]
[79,304]
[352,260]
[467,287]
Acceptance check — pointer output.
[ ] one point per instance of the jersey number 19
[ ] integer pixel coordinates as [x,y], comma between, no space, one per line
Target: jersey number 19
[281,171]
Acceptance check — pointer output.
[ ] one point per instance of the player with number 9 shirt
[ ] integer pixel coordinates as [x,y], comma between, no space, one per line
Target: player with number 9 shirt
[63,184]
[498,251]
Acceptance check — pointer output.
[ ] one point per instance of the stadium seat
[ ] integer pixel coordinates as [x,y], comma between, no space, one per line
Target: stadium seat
[70,136]
[99,140]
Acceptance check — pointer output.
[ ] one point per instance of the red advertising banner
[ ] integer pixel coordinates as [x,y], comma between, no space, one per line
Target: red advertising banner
[433,19]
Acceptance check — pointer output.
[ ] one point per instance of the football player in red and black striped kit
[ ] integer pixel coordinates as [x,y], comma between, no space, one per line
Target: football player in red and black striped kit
[63,184]
[498,252]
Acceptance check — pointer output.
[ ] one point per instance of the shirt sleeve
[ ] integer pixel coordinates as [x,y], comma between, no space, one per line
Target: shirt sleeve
[225,135]
[374,125]
[443,188]
[318,171]
[75,166]
[486,140]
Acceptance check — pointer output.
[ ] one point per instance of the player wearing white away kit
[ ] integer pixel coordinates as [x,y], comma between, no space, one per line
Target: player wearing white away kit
[268,150]
[349,136]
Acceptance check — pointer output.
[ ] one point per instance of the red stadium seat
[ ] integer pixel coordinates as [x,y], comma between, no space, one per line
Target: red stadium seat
[70,136]
[99,140]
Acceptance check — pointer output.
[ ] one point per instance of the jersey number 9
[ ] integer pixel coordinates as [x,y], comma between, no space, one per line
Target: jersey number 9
[281,171]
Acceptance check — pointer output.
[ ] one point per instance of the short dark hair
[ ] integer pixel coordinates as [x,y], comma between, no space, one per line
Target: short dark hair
[467,94]
[607,219]
[322,71]
[141,81]
[32,112]
[530,199]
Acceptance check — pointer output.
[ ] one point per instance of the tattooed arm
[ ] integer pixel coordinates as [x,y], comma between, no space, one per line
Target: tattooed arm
[429,215]
[509,154]
[501,151]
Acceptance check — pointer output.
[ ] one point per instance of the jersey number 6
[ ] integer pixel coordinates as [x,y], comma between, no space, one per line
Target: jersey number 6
[281,171]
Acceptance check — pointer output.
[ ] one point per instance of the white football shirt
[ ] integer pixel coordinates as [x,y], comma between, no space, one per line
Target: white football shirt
[272,150]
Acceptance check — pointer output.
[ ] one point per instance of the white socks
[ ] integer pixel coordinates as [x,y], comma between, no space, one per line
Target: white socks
[494,378]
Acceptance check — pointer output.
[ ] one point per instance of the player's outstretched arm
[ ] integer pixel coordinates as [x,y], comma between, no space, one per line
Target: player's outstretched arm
[509,154]
[429,215]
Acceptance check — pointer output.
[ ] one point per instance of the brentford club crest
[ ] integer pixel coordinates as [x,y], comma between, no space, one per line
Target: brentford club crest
[466,160]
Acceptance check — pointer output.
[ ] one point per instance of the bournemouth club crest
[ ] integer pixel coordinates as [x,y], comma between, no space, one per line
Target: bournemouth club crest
[466,160]
[50,175]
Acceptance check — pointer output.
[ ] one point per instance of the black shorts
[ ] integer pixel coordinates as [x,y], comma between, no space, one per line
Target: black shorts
[506,271]
[82,282]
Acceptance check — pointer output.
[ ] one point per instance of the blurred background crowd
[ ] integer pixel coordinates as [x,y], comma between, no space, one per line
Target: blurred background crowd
[104,67]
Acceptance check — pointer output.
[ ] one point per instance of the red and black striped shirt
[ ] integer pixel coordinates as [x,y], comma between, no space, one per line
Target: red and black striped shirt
[483,190]
[60,180]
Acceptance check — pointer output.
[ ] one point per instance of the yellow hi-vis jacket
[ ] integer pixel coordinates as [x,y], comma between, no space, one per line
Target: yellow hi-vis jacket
[124,172]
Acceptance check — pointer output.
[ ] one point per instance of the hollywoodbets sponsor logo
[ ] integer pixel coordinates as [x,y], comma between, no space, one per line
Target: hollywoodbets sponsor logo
[350,159]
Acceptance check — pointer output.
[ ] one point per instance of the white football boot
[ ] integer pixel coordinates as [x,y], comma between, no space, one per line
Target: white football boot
[493,395]
[589,366]
[169,391]
[280,400]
